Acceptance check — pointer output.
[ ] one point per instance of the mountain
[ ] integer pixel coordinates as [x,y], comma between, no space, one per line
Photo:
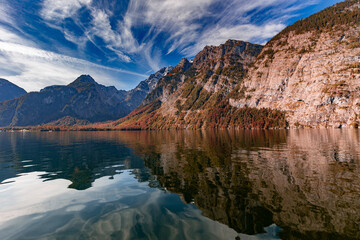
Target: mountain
[194,94]
[307,75]
[9,90]
[81,102]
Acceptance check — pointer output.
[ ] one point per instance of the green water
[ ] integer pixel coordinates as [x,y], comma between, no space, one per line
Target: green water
[299,184]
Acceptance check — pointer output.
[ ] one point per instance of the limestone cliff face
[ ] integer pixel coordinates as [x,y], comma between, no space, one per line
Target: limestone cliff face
[311,70]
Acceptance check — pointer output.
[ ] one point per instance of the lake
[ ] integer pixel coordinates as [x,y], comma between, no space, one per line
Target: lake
[254,184]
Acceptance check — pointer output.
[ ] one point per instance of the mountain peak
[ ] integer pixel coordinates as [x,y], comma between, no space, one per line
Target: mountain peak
[182,66]
[83,81]
[229,50]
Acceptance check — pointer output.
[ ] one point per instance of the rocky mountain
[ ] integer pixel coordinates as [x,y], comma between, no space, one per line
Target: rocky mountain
[194,94]
[79,103]
[9,90]
[307,75]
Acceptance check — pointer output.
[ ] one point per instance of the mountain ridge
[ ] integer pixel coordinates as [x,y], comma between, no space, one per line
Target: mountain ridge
[9,91]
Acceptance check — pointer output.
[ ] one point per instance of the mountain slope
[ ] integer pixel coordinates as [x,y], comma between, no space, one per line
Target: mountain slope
[194,94]
[9,90]
[310,70]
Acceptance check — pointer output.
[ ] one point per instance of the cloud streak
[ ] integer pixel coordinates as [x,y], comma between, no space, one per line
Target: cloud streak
[184,27]
[57,10]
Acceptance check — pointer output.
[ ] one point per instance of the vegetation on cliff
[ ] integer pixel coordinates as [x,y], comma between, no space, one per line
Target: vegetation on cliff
[342,14]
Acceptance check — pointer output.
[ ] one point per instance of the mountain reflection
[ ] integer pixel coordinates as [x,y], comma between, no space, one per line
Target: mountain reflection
[307,182]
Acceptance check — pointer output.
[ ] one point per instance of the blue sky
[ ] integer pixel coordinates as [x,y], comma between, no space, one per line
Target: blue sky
[121,42]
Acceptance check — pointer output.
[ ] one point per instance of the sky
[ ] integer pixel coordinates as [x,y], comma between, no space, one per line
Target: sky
[121,42]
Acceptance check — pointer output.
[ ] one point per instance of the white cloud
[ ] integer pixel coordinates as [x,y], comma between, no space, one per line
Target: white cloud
[8,36]
[188,25]
[61,9]
[102,28]
[183,21]
[5,16]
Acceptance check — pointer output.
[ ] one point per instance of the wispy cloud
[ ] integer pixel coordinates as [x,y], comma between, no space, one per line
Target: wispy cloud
[184,26]
[101,27]
[4,16]
[57,10]
[190,25]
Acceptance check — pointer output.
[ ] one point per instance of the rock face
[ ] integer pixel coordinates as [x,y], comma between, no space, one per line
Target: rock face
[82,101]
[311,70]
[9,90]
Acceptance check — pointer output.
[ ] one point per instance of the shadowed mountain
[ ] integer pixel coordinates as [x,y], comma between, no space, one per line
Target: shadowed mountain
[9,90]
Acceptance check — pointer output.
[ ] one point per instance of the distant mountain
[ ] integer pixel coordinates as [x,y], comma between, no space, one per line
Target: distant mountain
[9,90]
[82,101]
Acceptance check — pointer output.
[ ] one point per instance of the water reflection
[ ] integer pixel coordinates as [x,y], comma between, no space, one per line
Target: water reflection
[301,184]
[305,181]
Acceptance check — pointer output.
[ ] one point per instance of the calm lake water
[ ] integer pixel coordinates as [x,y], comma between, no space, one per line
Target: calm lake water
[298,184]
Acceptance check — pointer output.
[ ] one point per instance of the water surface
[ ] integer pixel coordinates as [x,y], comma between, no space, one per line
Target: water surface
[299,184]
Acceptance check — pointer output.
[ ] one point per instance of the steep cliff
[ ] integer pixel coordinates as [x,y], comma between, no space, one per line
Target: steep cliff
[9,90]
[311,70]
